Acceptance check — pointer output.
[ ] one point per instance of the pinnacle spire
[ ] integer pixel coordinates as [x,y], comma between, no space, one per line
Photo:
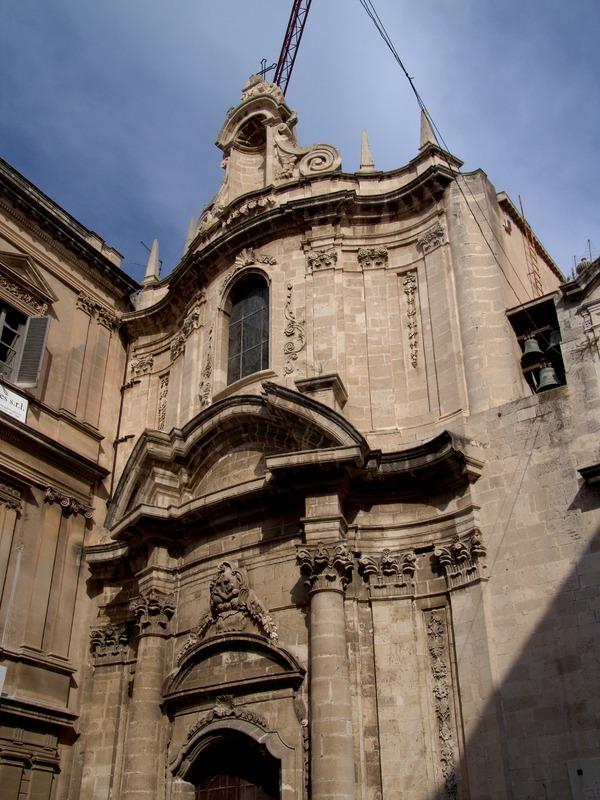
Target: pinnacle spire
[191,232]
[427,134]
[366,159]
[153,267]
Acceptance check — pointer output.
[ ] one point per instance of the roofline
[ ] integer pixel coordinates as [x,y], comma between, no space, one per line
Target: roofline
[81,240]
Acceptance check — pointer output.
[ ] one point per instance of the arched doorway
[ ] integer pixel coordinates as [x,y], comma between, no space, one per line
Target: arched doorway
[233,766]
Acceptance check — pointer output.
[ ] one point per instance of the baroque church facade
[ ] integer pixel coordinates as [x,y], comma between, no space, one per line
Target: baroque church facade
[315,516]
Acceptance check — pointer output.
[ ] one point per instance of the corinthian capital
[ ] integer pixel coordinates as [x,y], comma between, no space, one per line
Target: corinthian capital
[153,612]
[325,566]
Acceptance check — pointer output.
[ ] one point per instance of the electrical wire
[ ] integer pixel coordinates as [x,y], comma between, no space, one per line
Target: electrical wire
[377,22]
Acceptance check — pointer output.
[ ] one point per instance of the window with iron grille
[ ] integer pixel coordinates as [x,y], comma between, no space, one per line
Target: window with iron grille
[248,328]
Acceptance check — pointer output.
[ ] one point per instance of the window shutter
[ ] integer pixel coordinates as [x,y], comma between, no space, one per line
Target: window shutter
[32,352]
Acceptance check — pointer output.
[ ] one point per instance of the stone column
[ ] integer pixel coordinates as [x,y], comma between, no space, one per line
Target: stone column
[327,569]
[143,746]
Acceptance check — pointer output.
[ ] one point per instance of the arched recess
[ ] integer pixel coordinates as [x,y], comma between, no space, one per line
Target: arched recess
[280,421]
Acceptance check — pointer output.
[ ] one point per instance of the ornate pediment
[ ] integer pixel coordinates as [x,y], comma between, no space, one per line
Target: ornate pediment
[22,284]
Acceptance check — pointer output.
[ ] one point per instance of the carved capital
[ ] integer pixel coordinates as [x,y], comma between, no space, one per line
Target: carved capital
[321,259]
[86,303]
[461,560]
[153,612]
[325,566]
[388,573]
[373,257]
[109,643]
[10,498]
[142,364]
[432,239]
[106,318]
[69,505]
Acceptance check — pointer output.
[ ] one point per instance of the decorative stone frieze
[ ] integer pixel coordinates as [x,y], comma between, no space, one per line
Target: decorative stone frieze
[69,505]
[373,257]
[325,566]
[461,560]
[294,331]
[410,290]
[321,259]
[21,294]
[142,365]
[432,239]
[86,303]
[232,606]
[153,612]
[205,384]
[438,652]
[10,498]
[225,709]
[389,573]
[163,393]
[109,643]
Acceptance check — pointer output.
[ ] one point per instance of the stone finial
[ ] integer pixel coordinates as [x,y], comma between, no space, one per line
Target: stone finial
[153,267]
[427,135]
[191,233]
[153,611]
[325,566]
[366,159]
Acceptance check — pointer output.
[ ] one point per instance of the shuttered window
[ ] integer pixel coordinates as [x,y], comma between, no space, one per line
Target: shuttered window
[22,346]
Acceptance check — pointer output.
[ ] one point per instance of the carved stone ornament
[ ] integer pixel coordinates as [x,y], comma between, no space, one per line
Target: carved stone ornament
[247,208]
[373,257]
[142,365]
[233,606]
[246,258]
[410,290]
[461,560]
[293,161]
[10,498]
[177,345]
[325,566]
[294,331]
[163,393]
[69,505]
[431,239]
[109,643]
[438,652]
[193,319]
[225,709]
[153,611]
[106,318]
[321,259]
[21,294]
[86,303]
[256,86]
[205,384]
[394,574]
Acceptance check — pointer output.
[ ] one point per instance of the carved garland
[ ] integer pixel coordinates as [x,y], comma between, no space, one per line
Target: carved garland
[294,330]
[205,384]
[436,640]
[69,505]
[21,294]
[410,290]
[163,392]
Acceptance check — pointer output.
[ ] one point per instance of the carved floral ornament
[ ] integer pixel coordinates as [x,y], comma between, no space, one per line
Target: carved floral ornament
[153,611]
[233,607]
[191,322]
[109,642]
[69,505]
[373,257]
[460,560]
[205,384]
[294,331]
[321,259]
[23,295]
[325,566]
[246,258]
[388,565]
[433,238]
[96,310]
[410,290]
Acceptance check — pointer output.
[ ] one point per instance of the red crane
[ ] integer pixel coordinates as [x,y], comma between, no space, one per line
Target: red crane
[291,42]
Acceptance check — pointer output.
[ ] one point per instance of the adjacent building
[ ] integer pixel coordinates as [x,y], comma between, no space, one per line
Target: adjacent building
[315,516]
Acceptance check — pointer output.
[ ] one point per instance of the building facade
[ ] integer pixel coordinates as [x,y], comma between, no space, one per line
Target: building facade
[315,516]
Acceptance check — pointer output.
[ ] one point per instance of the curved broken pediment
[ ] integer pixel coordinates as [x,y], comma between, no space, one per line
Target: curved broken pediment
[231,449]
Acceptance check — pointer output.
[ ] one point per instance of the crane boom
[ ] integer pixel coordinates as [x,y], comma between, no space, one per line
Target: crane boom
[291,42]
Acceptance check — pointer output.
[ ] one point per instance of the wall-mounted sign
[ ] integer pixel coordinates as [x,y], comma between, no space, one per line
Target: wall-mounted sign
[13,404]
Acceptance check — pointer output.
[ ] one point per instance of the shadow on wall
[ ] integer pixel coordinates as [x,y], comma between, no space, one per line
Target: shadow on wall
[539,734]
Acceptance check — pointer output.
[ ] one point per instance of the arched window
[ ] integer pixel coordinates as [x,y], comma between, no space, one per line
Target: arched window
[248,350]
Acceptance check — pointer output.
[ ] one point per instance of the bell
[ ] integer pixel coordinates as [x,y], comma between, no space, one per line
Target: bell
[553,349]
[547,378]
[531,352]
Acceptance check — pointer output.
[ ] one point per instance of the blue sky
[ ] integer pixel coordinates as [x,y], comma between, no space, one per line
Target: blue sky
[112,106]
